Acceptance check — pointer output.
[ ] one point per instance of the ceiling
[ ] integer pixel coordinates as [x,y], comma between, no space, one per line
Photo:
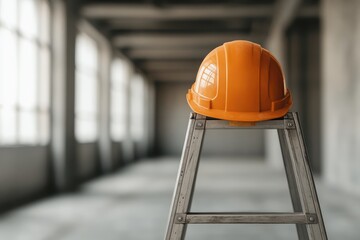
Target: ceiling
[167,39]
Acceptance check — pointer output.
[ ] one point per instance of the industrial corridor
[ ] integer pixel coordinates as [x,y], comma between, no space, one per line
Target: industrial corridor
[112,110]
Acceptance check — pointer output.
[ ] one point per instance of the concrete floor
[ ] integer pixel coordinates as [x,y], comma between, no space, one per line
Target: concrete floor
[133,204]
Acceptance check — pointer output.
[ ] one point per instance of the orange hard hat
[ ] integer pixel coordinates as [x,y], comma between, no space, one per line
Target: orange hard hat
[240,81]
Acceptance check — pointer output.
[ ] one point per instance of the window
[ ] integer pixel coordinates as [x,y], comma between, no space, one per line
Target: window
[86,100]
[137,107]
[206,79]
[120,74]
[24,71]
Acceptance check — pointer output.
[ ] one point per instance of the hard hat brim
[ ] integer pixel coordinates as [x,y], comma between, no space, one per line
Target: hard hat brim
[239,116]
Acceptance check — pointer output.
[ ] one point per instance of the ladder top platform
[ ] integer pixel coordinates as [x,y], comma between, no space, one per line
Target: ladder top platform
[286,122]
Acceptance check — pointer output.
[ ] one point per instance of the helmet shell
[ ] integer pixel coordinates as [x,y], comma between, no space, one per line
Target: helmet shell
[240,81]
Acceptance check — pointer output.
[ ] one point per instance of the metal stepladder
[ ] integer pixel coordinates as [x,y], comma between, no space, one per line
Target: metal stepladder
[307,214]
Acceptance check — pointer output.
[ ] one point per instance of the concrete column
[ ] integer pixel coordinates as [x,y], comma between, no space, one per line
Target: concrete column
[341,92]
[303,67]
[63,93]
[150,118]
[298,53]
[276,44]
[105,143]
[284,14]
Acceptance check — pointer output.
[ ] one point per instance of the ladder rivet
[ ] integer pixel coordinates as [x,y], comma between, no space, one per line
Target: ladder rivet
[180,219]
[290,124]
[199,124]
[311,219]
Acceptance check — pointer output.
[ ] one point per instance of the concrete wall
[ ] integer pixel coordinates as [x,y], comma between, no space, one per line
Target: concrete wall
[303,79]
[298,51]
[172,113]
[88,164]
[341,92]
[117,154]
[23,173]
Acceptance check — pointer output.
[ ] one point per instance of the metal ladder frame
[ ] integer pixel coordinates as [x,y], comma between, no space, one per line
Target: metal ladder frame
[307,213]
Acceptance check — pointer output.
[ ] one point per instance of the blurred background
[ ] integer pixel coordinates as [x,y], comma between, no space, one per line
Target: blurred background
[93,115]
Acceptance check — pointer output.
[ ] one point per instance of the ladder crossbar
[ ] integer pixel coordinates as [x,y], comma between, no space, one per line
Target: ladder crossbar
[270,124]
[250,218]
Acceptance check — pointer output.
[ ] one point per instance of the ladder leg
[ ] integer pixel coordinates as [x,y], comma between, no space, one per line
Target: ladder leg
[293,188]
[186,178]
[300,179]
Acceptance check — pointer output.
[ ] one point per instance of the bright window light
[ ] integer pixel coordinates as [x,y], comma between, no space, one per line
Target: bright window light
[28,16]
[24,72]
[8,13]
[86,130]
[86,100]
[120,74]
[137,107]
[45,74]
[8,126]
[28,74]
[8,68]
[28,127]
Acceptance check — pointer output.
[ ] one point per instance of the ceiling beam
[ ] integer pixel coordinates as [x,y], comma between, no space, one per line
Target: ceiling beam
[171,77]
[180,65]
[160,25]
[178,12]
[179,40]
[176,53]
[309,11]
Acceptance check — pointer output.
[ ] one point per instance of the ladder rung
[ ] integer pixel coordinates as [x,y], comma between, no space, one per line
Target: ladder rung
[252,218]
[270,124]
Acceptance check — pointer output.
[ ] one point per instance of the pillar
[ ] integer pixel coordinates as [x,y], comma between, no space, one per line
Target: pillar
[341,92]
